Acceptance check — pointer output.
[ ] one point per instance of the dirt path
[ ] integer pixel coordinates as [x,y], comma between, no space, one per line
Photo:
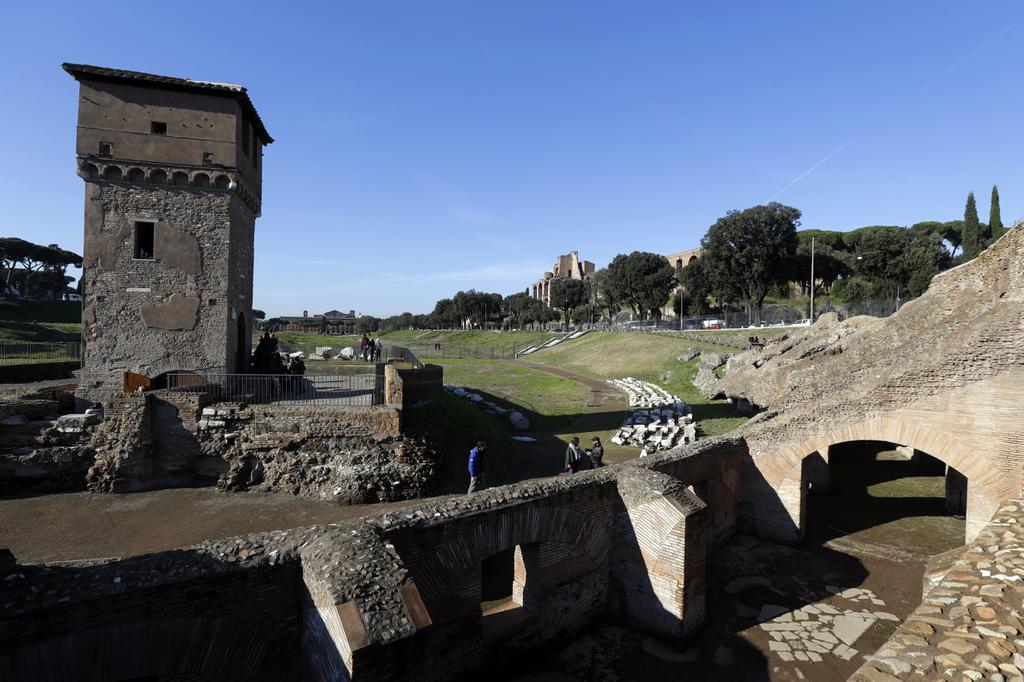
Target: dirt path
[73,526]
[606,408]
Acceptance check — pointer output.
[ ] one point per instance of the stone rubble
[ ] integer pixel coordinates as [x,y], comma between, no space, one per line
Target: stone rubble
[657,417]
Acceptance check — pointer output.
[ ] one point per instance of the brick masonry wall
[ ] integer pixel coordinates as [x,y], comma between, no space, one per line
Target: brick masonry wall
[397,595]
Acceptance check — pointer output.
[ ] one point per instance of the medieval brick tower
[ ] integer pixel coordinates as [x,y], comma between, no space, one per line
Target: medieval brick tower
[173,186]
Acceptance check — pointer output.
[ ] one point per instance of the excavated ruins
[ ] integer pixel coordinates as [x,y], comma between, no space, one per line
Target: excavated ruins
[406,593]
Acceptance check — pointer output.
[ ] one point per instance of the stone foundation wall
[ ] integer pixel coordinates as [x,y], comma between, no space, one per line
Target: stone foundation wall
[970,625]
[392,596]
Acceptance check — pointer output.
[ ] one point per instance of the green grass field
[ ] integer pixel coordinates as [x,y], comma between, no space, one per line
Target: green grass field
[651,357]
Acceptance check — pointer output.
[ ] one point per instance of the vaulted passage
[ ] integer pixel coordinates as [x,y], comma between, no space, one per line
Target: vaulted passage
[886,494]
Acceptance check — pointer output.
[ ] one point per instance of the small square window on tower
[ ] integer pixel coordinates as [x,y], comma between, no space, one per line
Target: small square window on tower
[143,241]
[158,128]
[207,158]
[106,149]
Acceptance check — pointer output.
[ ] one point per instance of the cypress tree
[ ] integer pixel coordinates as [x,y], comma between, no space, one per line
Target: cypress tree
[995,220]
[972,231]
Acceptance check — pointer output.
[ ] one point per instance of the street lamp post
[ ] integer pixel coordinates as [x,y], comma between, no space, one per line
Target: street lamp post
[812,281]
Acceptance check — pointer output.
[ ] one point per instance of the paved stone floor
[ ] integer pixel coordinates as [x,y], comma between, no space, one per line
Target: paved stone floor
[812,612]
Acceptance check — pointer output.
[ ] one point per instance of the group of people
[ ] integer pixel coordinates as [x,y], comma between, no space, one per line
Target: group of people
[371,349]
[576,459]
[266,359]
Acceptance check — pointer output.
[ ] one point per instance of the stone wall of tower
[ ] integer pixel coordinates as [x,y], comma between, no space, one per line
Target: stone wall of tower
[176,310]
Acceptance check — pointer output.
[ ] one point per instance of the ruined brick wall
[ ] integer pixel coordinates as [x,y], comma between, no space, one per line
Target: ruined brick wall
[942,375]
[177,310]
[396,595]
[407,386]
[230,610]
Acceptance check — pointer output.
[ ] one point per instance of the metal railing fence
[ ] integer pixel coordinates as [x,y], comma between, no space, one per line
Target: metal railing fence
[388,353]
[286,389]
[32,352]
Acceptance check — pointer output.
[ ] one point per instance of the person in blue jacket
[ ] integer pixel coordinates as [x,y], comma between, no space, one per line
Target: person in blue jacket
[477,480]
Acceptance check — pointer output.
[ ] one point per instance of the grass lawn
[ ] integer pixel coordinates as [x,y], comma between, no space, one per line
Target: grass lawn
[40,311]
[551,403]
[30,332]
[651,357]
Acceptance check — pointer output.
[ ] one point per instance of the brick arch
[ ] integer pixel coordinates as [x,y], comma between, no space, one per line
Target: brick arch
[987,484]
[494,533]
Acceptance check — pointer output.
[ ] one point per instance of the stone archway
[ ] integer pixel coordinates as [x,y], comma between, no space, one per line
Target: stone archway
[988,486]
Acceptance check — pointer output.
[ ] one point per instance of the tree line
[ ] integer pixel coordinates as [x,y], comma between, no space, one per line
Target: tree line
[746,257]
[34,270]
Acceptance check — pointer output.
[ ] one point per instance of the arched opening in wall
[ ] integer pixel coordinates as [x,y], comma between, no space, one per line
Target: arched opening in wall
[692,258]
[222,182]
[201,180]
[241,346]
[112,173]
[179,179]
[158,177]
[89,171]
[876,529]
[501,612]
[136,175]
[884,493]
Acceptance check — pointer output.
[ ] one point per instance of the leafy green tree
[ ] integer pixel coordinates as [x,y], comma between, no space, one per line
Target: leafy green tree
[973,239]
[366,324]
[694,284]
[899,261]
[831,260]
[567,295]
[995,219]
[745,252]
[642,280]
[950,231]
[603,293]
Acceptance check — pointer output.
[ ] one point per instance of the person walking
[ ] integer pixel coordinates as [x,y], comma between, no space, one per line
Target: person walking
[477,480]
[596,452]
[574,456]
[378,347]
[364,346]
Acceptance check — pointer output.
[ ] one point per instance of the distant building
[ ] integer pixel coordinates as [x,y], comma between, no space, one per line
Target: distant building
[568,266]
[678,261]
[683,258]
[333,322]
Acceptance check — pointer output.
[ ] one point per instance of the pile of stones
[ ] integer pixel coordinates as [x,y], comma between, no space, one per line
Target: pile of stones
[516,418]
[657,417]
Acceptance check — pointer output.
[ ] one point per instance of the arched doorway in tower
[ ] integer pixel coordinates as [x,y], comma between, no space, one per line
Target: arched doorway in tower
[241,345]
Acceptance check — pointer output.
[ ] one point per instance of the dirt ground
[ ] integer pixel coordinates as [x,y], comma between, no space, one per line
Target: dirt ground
[777,612]
[76,526]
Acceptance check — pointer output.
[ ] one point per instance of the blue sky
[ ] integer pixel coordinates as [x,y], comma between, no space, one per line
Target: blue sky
[424,148]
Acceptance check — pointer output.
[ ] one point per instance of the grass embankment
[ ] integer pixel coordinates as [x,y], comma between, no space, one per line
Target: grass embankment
[455,344]
[40,321]
[454,425]
[651,357]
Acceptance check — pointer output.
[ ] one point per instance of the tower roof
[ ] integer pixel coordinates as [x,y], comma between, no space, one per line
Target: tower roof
[236,92]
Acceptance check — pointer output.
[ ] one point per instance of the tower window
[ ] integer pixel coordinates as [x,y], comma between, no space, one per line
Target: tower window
[144,241]
[158,128]
[106,149]
[207,158]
